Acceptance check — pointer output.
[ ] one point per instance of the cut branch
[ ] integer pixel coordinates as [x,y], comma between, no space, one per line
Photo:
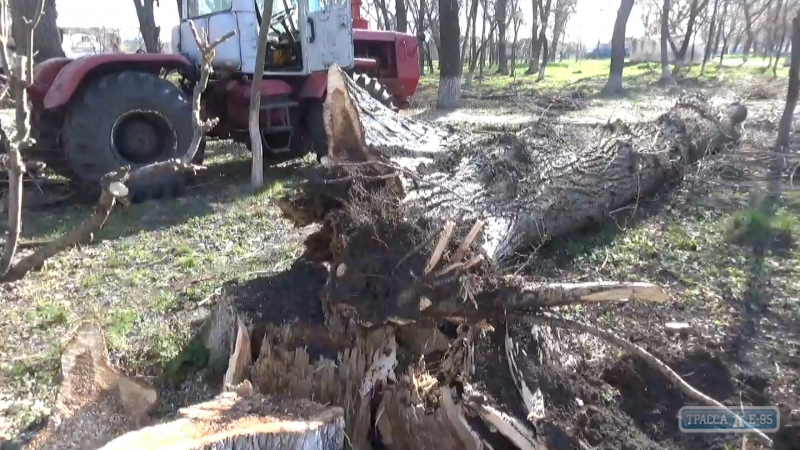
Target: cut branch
[19,78]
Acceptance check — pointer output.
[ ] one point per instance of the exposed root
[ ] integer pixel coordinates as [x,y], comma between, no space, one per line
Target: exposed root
[654,362]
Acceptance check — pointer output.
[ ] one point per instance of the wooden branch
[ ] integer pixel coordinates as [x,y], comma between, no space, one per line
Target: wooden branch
[113,189]
[549,295]
[248,423]
[634,349]
[257,170]
[207,52]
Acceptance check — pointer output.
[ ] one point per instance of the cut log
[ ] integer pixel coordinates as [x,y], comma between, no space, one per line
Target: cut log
[232,422]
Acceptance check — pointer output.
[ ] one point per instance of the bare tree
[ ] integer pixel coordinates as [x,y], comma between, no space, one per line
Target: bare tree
[517,20]
[564,9]
[46,37]
[712,31]
[695,8]
[752,9]
[614,83]
[449,59]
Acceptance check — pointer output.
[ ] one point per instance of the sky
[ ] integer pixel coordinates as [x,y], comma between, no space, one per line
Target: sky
[593,21]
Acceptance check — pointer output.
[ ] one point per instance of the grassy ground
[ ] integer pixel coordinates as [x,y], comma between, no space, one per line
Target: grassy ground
[152,272]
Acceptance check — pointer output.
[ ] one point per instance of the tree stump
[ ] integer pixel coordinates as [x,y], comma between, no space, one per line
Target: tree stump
[232,421]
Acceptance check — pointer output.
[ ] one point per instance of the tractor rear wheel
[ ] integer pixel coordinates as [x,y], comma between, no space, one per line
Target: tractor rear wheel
[376,89]
[315,120]
[128,118]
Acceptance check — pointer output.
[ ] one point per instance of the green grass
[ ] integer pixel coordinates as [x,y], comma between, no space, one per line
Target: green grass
[590,74]
[146,278]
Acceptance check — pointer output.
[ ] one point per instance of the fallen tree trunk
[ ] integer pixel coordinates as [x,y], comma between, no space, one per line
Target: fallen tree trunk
[529,187]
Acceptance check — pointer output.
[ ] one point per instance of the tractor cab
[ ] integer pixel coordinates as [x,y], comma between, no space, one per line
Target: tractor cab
[305,36]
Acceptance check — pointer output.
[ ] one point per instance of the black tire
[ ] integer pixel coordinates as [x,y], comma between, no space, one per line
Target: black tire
[315,122]
[116,104]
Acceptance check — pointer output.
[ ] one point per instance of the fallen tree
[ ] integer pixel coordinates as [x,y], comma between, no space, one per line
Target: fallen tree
[398,312]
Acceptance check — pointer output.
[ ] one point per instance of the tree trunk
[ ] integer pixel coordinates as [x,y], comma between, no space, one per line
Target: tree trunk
[501,13]
[473,45]
[147,25]
[400,13]
[785,124]
[545,57]
[449,58]
[614,83]
[784,30]
[680,56]
[465,40]
[711,32]
[533,64]
[421,36]
[46,37]
[429,54]
[666,76]
[523,210]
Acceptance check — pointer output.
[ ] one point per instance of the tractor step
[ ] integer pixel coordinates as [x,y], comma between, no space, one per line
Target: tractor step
[266,105]
[277,134]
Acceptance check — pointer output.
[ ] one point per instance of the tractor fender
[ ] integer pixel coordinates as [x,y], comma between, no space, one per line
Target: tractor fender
[73,74]
[315,85]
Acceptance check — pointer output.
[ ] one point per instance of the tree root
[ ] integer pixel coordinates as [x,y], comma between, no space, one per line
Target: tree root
[646,356]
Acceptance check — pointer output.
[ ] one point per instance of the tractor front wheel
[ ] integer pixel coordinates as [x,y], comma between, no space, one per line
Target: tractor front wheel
[132,119]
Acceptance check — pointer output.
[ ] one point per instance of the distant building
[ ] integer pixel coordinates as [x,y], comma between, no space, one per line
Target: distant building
[82,41]
[648,49]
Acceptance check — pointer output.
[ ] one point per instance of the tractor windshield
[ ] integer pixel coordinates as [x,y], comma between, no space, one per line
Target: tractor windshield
[281,10]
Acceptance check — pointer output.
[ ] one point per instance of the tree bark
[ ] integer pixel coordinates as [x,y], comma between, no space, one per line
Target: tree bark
[501,14]
[147,25]
[614,83]
[46,37]
[449,58]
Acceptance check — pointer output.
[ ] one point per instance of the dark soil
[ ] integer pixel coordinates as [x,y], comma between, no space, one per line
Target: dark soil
[619,403]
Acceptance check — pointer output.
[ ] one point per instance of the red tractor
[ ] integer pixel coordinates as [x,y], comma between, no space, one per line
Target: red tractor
[95,114]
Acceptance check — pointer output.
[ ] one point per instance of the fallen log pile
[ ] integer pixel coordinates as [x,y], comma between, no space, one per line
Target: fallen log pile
[403,319]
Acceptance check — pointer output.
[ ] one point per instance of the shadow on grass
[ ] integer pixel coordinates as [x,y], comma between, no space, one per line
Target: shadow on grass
[221,184]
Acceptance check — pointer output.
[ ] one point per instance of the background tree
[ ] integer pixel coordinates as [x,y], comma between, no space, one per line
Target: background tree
[147,25]
[46,37]
[666,76]
[501,13]
[614,83]
[449,58]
